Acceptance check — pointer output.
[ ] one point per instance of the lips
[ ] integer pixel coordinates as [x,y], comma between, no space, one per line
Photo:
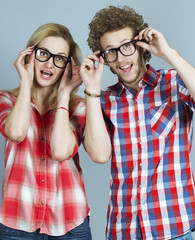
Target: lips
[46,74]
[126,68]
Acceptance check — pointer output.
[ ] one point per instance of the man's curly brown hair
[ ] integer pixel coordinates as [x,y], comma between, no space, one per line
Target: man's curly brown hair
[113,19]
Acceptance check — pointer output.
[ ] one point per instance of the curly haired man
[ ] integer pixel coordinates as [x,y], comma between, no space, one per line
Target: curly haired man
[144,122]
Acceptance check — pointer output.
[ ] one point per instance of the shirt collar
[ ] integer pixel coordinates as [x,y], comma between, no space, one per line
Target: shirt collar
[150,75]
[120,88]
[149,78]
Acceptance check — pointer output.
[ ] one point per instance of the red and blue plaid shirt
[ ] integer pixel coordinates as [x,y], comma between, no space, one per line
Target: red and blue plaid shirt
[152,185]
[38,191]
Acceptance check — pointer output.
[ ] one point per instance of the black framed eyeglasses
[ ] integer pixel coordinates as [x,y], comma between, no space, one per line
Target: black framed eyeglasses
[44,55]
[126,49]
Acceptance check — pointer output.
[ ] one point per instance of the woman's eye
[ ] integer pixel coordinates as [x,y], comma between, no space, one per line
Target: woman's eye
[42,53]
[60,59]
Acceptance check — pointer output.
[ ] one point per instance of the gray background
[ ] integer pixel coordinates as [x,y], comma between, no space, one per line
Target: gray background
[19,19]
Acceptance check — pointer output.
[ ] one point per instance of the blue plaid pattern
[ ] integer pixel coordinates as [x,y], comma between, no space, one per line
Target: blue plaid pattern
[151,176]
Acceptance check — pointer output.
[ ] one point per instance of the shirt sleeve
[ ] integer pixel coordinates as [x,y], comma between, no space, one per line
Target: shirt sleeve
[77,121]
[184,93]
[6,106]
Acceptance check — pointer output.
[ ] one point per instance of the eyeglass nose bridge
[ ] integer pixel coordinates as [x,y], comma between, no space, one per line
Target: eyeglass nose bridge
[51,56]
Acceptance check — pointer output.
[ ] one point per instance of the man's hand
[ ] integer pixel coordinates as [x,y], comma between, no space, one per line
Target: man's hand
[157,44]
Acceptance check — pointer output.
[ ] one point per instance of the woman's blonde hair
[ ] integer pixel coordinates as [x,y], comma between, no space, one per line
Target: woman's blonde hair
[53,30]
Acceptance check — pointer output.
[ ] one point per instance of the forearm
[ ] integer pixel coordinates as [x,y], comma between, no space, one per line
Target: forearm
[97,141]
[62,139]
[184,69]
[17,122]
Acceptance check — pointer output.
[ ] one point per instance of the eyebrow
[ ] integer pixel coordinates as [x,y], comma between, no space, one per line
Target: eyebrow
[51,52]
[121,43]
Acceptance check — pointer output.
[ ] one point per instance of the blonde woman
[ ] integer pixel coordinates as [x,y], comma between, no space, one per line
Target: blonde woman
[43,122]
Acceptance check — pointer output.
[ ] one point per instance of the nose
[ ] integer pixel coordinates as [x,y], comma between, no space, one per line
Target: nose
[49,63]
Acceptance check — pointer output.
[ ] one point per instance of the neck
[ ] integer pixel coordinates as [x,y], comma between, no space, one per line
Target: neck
[42,96]
[135,84]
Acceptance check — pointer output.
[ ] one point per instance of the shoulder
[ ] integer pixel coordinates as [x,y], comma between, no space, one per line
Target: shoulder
[168,77]
[171,73]
[6,96]
[110,90]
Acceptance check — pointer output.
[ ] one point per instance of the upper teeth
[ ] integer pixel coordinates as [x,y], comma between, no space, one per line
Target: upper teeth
[125,67]
[45,72]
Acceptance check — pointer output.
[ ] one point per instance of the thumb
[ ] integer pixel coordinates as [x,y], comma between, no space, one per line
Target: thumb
[101,63]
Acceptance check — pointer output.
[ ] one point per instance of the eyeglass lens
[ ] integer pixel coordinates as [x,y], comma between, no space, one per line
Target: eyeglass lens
[126,49]
[44,55]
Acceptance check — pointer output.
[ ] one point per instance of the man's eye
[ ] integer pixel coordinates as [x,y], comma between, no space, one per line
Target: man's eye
[126,45]
[110,51]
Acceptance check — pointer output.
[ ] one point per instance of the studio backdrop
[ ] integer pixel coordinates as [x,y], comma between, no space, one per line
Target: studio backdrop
[19,19]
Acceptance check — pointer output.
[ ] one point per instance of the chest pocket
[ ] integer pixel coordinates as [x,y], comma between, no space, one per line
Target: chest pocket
[163,120]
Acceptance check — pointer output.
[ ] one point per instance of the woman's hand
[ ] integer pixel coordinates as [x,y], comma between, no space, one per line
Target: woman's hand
[67,84]
[26,69]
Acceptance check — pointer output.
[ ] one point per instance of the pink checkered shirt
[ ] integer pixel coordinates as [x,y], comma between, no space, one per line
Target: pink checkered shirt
[38,191]
[152,185]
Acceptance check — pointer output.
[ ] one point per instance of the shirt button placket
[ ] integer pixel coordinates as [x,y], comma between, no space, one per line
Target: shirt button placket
[43,190]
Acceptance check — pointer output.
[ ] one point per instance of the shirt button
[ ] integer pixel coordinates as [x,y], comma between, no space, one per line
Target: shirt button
[43,159]
[42,138]
[42,180]
[42,202]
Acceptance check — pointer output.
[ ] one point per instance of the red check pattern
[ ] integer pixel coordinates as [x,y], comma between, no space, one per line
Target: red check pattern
[152,185]
[38,191]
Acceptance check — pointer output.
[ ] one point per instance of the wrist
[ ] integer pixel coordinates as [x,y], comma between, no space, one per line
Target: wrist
[63,100]
[92,94]
[170,55]
[63,108]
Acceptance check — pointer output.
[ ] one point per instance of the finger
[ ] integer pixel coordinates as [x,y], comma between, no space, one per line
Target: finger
[87,64]
[149,34]
[66,71]
[75,71]
[75,68]
[93,57]
[22,55]
[101,63]
[143,34]
[26,51]
[73,61]
[143,45]
[32,58]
